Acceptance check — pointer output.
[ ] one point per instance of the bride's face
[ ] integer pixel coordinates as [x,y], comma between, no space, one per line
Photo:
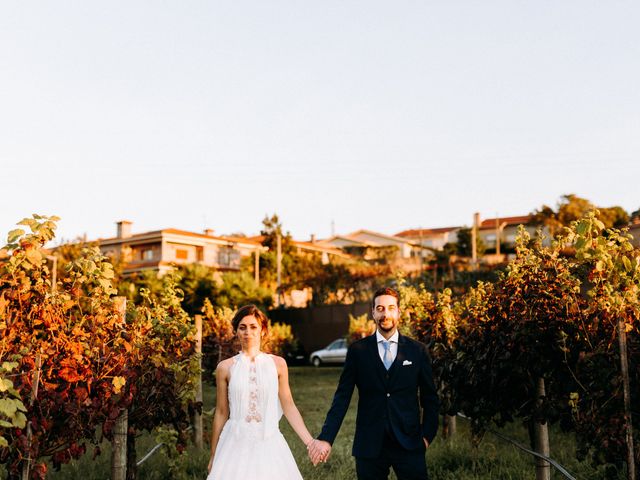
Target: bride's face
[249,331]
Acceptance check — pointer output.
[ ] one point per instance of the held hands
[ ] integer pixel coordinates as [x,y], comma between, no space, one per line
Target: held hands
[319,451]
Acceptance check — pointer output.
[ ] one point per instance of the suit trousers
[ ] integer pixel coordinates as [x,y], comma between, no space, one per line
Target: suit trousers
[407,464]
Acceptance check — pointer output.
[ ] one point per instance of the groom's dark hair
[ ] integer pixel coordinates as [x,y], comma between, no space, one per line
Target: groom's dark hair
[385,291]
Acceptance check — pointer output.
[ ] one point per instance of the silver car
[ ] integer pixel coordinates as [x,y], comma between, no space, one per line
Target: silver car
[335,352]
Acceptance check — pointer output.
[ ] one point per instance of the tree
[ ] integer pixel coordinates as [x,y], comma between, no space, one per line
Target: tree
[271,229]
[572,208]
[339,281]
[464,246]
[199,283]
[614,217]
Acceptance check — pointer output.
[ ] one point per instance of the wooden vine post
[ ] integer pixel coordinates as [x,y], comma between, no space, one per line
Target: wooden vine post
[119,443]
[624,367]
[197,416]
[543,468]
[26,466]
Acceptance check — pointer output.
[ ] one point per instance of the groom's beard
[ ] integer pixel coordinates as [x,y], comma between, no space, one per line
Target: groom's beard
[383,328]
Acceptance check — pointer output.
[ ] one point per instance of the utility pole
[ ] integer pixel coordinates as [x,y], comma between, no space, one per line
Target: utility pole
[279,266]
[256,266]
[420,250]
[497,235]
[474,240]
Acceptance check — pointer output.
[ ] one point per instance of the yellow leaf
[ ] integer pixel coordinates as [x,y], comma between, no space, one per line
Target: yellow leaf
[118,383]
[34,256]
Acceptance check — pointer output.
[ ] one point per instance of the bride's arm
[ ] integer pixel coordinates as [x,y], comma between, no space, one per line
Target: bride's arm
[288,405]
[221,414]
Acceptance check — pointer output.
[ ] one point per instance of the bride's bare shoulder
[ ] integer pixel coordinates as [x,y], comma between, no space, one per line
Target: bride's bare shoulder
[279,361]
[224,366]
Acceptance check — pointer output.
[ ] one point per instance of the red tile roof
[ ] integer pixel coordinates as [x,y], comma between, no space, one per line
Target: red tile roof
[521,220]
[185,233]
[417,232]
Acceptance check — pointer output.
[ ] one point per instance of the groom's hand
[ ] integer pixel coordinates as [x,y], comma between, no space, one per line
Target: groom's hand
[426,443]
[319,451]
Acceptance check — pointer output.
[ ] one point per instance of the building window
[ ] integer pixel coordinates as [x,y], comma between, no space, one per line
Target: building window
[147,254]
[181,254]
[228,257]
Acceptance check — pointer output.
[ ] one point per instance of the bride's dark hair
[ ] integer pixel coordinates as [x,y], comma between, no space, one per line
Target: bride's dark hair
[250,310]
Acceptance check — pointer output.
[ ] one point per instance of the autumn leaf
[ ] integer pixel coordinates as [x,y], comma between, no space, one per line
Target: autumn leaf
[14,235]
[118,383]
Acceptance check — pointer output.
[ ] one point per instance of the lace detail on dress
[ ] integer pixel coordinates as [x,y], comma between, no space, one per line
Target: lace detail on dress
[253,415]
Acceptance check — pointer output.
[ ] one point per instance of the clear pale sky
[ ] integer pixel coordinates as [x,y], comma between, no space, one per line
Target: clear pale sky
[372,114]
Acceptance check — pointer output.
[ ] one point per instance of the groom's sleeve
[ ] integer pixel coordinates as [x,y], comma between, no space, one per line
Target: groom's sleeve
[341,399]
[428,398]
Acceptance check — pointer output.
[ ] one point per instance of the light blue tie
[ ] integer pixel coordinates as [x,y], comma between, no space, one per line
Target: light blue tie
[386,358]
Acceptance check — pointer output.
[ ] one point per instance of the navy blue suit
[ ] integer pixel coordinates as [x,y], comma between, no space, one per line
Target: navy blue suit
[389,401]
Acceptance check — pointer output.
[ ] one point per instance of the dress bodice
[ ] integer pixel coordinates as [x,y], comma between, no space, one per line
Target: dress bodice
[254,405]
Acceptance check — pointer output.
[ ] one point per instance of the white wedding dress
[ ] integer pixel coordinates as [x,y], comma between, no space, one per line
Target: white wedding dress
[251,446]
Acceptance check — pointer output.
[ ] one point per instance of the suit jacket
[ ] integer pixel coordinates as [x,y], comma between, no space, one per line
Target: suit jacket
[387,399]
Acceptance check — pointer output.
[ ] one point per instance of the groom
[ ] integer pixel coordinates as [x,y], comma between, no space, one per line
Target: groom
[394,379]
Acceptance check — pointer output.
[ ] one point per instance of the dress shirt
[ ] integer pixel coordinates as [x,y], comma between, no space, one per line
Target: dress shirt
[393,345]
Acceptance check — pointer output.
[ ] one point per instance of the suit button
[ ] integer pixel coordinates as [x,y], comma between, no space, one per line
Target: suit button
[388,394]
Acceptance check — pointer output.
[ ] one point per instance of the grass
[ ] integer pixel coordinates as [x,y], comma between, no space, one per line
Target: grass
[313,390]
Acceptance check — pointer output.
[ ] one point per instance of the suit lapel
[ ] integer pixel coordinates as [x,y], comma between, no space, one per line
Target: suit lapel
[377,361]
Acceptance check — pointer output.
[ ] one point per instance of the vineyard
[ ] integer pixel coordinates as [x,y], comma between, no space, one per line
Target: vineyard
[555,340]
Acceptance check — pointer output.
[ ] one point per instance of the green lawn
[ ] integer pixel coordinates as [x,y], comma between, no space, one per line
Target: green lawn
[313,390]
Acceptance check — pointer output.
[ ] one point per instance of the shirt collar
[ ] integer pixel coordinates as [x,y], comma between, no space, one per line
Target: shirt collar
[380,338]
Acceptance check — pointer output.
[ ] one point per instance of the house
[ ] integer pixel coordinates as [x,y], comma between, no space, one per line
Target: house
[327,253]
[377,247]
[430,238]
[634,230]
[159,250]
[505,229]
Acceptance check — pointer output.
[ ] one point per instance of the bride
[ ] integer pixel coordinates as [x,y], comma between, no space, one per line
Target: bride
[252,394]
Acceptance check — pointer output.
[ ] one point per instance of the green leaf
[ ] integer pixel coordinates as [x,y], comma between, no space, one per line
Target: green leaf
[14,235]
[582,228]
[5,384]
[627,263]
[8,407]
[27,221]
[9,366]
[20,420]
[3,442]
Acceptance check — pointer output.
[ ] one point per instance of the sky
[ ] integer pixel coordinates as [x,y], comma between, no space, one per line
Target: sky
[336,114]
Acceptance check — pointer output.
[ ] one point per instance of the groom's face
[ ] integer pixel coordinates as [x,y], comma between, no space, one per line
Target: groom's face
[386,313]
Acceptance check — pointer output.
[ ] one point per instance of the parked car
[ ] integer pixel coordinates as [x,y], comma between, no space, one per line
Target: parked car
[335,352]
